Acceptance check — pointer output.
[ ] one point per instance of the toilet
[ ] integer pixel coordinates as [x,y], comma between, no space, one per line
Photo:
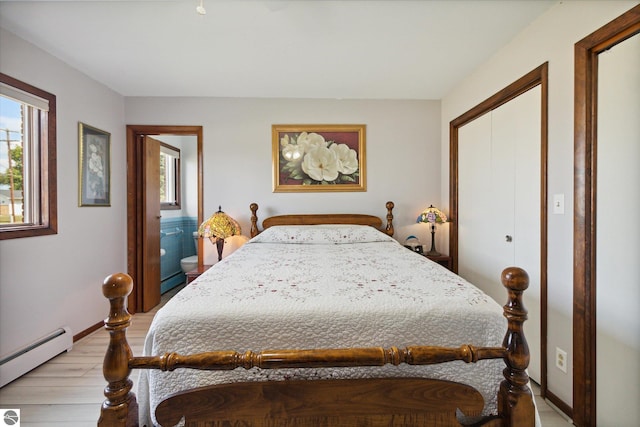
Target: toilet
[191,262]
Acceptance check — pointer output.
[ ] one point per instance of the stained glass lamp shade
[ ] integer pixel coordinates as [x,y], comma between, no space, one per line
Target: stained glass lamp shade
[433,216]
[218,227]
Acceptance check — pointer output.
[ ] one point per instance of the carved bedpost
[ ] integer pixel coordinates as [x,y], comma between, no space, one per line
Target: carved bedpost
[515,401]
[389,230]
[120,408]
[254,219]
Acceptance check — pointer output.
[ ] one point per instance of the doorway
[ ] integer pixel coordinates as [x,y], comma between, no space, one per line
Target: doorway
[501,107]
[592,145]
[143,212]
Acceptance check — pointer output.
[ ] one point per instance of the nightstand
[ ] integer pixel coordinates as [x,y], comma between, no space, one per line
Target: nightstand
[444,260]
[193,274]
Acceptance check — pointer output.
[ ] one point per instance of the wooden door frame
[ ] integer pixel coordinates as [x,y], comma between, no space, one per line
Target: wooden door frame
[584,221]
[538,76]
[135,207]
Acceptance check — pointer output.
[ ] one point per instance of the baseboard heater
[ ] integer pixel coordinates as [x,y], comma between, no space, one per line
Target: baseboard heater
[35,354]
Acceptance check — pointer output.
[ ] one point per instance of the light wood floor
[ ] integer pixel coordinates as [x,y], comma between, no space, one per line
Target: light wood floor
[68,390]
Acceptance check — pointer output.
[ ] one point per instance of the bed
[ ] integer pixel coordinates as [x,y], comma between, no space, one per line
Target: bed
[371,334]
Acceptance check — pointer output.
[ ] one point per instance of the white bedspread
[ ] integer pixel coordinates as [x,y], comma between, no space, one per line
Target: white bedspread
[295,288]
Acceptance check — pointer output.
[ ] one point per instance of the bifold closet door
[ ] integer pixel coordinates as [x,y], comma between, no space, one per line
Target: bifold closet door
[481,253]
[499,157]
[517,125]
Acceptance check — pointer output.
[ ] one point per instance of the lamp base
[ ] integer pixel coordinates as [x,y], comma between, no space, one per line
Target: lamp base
[219,247]
[432,251]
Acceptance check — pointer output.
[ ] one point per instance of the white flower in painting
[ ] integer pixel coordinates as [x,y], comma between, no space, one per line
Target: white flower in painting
[292,152]
[284,141]
[320,164]
[309,141]
[347,158]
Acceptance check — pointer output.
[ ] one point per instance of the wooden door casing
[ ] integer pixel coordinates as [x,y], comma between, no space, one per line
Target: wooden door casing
[135,198]
[584,221]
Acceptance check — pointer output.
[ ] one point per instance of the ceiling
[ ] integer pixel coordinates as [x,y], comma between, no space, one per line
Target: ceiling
[271,48]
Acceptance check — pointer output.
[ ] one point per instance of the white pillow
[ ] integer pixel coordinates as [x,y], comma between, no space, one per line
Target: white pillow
[321,234]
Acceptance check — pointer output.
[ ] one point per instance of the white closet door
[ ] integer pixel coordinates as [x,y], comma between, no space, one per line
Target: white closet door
[499,158]
[474,203]
[504,130]
[516,133]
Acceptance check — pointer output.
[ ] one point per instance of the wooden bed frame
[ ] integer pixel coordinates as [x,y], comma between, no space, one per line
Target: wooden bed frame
[300,403]
[315,219]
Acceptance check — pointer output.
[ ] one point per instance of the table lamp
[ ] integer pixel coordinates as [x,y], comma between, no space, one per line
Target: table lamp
[433,216]
[218,227]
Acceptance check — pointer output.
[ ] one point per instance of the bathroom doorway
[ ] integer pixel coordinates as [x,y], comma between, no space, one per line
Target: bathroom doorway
[143,209]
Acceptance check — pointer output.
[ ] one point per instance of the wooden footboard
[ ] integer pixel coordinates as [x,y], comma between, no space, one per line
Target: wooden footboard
[369,402]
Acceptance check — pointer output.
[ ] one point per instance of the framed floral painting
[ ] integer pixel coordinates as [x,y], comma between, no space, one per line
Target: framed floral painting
[95,169]
[310,158]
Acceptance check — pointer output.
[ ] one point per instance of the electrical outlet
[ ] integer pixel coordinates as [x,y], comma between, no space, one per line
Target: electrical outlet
[561,360]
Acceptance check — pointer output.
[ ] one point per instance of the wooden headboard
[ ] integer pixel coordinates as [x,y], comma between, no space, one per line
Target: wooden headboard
[315,219]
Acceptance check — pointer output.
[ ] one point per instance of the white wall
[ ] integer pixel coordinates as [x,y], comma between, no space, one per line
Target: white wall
[550,38]
[402,153]
[50,281]
[189,171]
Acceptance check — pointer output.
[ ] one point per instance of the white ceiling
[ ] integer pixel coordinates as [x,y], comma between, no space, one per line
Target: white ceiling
[267,48]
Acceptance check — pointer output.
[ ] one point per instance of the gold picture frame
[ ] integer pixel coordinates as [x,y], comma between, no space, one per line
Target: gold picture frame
[318,158]
[94,158]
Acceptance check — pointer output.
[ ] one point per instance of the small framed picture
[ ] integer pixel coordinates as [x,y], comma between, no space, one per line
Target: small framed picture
[94,153]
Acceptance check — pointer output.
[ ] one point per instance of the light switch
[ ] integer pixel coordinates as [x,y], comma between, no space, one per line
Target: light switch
[558,204]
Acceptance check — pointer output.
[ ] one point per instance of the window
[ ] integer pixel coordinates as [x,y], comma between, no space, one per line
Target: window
[169,177]
[28,205]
